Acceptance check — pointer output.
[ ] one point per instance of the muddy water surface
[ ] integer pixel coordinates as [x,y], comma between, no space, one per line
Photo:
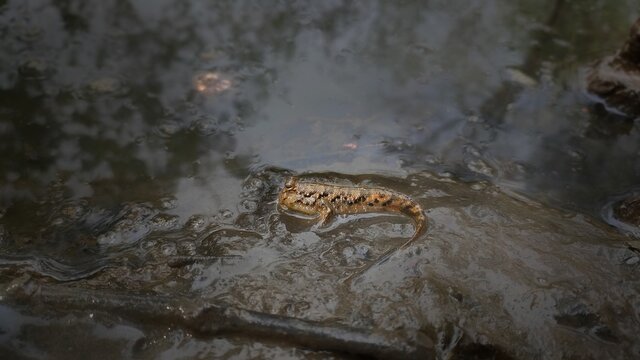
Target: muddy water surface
[144,144]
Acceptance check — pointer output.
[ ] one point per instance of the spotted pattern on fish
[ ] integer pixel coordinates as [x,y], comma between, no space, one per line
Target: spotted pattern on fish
[328,200]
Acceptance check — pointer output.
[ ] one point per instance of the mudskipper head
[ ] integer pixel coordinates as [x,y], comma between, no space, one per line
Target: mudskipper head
[289,194]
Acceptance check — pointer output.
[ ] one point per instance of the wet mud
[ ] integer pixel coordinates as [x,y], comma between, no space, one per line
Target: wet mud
[541,273]
[144,146]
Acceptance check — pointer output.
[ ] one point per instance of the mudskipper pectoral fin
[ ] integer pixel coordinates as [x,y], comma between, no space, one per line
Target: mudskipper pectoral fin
[326,214]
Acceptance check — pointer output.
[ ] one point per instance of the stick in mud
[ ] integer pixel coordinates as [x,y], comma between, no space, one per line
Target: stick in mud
[206,318]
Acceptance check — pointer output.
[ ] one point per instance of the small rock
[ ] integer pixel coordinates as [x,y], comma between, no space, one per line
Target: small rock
[628,210]
[632,260]
[616,79]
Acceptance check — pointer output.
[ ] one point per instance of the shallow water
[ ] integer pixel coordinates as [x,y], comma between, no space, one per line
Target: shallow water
[144,144]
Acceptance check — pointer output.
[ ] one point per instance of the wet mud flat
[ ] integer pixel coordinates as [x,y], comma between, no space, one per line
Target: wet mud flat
[144,145]
[496,275]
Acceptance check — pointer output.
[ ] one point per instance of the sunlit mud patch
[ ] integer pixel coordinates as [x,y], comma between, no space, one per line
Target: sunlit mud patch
[211,83]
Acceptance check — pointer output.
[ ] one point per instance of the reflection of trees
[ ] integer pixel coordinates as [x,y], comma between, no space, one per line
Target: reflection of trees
[535,135]
[102,105]
[26,138]
[586,153]
[152,124]
[108,96]
[566,36]
[101,109]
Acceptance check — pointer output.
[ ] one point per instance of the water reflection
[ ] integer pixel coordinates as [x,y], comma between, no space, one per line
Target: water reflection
[133,130]
[101,88]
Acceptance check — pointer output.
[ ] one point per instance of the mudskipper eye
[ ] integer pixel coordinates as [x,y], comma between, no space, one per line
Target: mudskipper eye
[290,183]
